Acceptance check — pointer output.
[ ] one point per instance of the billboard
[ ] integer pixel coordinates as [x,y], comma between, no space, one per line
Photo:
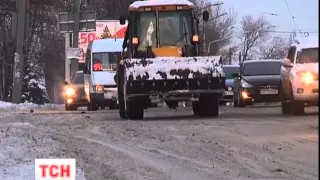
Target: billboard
[104,29]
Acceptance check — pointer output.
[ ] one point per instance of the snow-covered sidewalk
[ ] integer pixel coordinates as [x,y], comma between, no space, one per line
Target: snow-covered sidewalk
[7,106]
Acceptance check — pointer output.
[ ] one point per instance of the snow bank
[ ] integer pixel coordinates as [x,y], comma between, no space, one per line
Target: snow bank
[173,68]
[20,146]
[24,106]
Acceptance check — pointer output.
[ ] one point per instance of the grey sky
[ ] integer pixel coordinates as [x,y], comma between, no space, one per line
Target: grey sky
[305,11]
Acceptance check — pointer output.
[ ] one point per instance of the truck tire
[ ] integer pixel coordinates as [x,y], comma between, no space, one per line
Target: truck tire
[121,100]
[208,106]
[134,110]
[70,107]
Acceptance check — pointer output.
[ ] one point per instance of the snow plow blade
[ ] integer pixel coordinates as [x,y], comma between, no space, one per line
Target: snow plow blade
[173,68]
[185,75]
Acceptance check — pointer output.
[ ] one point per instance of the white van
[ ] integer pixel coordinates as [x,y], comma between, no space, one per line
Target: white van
[99,71]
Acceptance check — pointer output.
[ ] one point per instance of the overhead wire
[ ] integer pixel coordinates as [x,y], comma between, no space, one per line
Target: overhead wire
[294,21]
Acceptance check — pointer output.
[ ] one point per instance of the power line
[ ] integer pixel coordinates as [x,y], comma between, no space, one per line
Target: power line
[294,21]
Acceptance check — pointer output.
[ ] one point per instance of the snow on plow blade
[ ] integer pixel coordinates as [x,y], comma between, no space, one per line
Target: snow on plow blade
[173,68]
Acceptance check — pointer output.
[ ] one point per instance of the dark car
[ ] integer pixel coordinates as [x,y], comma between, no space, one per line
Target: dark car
[228,93]
[258,81]
[74,95]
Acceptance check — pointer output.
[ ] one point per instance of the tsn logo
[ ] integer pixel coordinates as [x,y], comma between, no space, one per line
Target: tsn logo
[55,169]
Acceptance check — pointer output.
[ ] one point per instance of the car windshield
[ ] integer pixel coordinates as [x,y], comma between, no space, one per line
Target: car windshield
[107,59]
[262,68]
[174,28]
[229,70]
[310,55]
[78,78]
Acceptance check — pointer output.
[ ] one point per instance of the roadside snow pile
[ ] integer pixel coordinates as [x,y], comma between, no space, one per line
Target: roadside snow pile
[7,106]
[172,67]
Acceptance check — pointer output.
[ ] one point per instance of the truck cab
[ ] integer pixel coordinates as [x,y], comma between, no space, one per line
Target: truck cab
[161,60]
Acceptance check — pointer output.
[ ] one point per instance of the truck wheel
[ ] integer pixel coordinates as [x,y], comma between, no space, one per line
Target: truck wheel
[70,107]
[208,106]
[91,106]
[134,110]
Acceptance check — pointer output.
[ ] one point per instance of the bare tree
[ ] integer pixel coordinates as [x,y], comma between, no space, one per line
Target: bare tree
[275,48]
[253,32]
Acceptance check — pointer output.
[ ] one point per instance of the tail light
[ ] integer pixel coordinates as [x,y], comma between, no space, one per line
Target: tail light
[97,67]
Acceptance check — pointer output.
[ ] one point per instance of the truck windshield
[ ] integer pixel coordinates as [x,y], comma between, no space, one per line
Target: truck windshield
[309,55]
[262,68]
[175,28]
[107,59]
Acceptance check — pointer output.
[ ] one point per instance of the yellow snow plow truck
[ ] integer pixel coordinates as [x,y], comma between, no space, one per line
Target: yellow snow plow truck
[161,61]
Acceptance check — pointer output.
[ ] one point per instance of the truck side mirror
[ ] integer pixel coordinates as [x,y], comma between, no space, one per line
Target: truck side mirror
[122,20]
[205,15]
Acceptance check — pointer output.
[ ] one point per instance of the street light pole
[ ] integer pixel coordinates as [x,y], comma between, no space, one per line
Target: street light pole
[208,50]
[19,55]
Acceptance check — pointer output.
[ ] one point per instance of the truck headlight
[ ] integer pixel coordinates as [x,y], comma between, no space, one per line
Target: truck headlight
[307,77]
[70,91]
[245,84]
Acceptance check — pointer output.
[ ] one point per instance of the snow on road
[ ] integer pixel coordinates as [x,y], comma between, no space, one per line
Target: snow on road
[7,106]
[248,143]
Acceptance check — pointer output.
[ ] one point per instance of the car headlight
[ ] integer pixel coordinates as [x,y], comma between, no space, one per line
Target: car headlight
[245,84]
[98,88]
[307,77]
[70,91]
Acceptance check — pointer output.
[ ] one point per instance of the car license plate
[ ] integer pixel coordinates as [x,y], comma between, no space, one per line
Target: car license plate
[228,93]
[269,91]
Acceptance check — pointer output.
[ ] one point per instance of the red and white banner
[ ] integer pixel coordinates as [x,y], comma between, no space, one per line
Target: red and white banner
[104,29]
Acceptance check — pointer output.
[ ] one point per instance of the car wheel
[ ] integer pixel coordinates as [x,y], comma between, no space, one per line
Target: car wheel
[102,107]
[91,106]
[295,107]
[71,107]
[113,106]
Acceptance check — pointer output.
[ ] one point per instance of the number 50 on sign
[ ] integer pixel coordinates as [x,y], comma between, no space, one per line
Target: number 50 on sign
[55,169]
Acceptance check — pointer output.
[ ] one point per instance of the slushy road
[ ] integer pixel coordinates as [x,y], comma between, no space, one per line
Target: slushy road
[242,143]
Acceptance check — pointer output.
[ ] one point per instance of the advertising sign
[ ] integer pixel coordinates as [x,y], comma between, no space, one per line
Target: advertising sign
[104,29]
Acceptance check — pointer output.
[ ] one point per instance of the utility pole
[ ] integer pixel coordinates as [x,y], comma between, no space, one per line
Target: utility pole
[20,30]
[74,63]
[76,23]
[230,56]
